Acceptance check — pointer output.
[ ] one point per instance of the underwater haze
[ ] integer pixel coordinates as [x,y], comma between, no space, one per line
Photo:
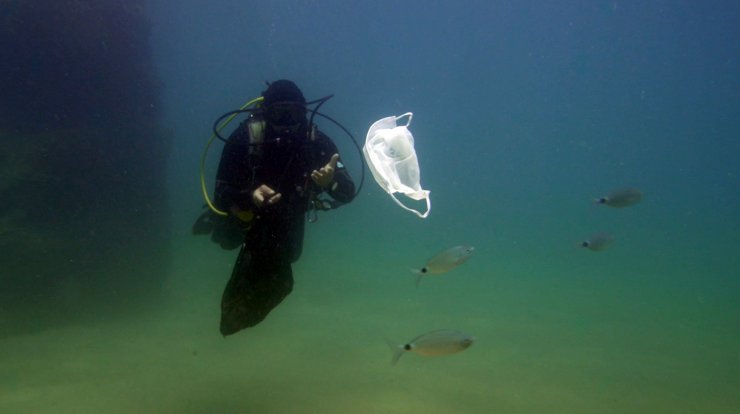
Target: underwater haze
[525,112]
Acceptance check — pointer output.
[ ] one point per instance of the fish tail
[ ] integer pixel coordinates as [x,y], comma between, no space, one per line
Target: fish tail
[397,350]
[419,274]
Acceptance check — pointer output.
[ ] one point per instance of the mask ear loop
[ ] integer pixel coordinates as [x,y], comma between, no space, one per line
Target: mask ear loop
[421,215]
[409,114]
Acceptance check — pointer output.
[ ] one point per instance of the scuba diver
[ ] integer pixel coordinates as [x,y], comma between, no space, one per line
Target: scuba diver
[276,169]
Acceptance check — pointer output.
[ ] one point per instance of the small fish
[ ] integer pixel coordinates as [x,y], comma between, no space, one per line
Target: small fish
[439,342]
[598,241]
[444,261]
[624,197]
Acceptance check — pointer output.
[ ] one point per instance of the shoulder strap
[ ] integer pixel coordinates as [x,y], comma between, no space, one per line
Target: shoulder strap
[256,127]
[256,131]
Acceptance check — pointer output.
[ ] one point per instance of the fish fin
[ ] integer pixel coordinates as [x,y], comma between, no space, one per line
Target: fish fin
[397,350]
[418,279]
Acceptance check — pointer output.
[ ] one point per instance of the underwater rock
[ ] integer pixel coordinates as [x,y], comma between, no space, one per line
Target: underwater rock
[84,219]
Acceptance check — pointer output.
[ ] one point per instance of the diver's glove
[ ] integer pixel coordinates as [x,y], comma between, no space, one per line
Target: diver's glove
[324,176]
[262,196]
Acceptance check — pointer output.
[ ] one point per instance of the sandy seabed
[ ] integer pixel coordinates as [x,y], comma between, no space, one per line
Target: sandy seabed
[323,351]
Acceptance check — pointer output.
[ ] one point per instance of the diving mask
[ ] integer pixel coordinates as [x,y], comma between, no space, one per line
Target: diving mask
[285,114]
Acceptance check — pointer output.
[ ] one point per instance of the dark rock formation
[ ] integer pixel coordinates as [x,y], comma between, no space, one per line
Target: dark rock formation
[83,218]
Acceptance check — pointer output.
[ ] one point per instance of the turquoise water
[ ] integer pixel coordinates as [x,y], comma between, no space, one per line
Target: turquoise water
[524,113]
[558,335]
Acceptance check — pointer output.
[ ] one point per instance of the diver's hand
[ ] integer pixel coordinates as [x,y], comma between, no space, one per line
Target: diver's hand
[324,176]
[265,196]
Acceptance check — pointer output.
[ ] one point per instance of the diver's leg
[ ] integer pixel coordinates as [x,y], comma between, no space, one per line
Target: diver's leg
[295,236]
[233,307]
[258,284]
[269,283]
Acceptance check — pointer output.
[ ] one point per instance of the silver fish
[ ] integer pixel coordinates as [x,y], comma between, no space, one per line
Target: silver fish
[624,197]
[598,241]
[444,261]
[434,343]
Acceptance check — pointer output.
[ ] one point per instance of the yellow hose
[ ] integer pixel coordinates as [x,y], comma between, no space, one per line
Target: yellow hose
[205,154]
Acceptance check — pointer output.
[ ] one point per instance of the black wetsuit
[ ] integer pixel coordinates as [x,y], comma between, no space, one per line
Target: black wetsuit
[262,276]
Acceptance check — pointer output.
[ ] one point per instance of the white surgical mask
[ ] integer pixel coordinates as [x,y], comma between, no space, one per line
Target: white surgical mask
[389,151]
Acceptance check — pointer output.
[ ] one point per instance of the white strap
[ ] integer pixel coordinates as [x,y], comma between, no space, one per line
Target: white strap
[409,114]
[424,215]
